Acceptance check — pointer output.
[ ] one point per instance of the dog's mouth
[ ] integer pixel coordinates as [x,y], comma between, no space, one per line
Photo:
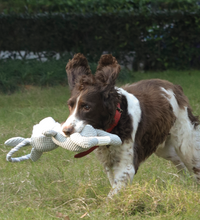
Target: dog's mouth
[67,130]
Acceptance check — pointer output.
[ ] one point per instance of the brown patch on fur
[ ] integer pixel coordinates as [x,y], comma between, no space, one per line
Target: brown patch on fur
[106,73]
[78,66]
[157,115]
[156,120]
[108,63]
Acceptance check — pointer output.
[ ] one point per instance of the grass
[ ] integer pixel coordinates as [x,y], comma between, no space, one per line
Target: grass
[60,187]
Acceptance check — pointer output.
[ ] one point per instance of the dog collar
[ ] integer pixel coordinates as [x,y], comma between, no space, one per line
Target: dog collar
[114,124]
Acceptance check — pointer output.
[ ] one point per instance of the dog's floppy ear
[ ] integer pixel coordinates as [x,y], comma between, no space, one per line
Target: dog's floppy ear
[76,67]
[107,71]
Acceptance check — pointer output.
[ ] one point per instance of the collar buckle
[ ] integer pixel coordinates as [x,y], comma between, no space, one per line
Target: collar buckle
[119,110]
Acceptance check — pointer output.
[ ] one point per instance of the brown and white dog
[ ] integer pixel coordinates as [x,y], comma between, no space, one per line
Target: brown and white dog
[156,118]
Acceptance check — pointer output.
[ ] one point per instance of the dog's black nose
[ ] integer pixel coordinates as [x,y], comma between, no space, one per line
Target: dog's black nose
[68,130]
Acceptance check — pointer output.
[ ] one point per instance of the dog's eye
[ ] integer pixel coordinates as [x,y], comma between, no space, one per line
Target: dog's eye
[86,107]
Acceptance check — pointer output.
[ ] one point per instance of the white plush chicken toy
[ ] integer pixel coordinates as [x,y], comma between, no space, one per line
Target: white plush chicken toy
[47,136]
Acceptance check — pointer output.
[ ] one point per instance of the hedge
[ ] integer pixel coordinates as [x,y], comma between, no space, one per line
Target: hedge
[160,39]
[159,34]
[93,6]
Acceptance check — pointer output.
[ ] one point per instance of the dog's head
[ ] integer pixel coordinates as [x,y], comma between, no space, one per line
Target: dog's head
[93,97]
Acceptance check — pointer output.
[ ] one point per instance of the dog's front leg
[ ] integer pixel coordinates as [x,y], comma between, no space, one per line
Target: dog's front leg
[122,170]
[122,175]
[118,165]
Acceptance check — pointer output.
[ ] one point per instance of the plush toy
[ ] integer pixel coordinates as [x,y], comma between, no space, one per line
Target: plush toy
[47,136]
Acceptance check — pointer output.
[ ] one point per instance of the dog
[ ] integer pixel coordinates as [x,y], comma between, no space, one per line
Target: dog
[155,117]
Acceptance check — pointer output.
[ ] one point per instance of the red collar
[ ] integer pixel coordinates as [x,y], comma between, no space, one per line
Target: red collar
[116,120]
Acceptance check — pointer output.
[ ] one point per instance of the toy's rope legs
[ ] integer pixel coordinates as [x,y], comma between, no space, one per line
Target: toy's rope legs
[24,143]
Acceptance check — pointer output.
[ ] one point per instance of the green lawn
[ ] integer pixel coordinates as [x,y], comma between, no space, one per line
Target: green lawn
[60,187]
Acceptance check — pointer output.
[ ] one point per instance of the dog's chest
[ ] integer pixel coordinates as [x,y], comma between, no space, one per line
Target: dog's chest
[115,155]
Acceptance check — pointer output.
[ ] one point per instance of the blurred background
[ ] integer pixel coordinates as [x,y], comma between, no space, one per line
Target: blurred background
[38,37]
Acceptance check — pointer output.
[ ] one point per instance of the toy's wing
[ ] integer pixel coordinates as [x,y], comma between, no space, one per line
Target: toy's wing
[86,139]
[84,142]
[113,138]
[12,142]
[102,138]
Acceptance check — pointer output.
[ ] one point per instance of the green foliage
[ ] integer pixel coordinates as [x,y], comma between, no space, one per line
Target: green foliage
[162,34]
[17,73]
[91,6]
